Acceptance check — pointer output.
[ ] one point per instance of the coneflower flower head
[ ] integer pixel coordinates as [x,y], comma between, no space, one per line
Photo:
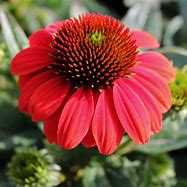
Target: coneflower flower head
[88,81]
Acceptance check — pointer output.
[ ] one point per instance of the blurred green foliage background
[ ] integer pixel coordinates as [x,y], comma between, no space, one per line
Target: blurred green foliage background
[26,159]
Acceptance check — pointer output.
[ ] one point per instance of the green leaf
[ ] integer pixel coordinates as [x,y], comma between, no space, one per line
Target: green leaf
[182,6]
[176,54]
[10,116]
[77,9]
[13,34]
[145,15]
[94,176]
[23,139]
[154,24]
[173,26]
[179,58]
[173,50]
[19,33]
[94,6]
[129,3]
[8,33]
[121,171]
[173,136]
[6,184]
[137,15]
[181,183]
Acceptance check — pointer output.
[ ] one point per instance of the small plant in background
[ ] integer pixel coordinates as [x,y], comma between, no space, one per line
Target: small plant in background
[36,168]
[179,89]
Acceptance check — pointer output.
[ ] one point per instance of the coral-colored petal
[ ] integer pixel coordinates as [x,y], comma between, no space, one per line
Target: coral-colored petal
[155,85]
[76,118]
[52,28]
[145,40]
[150,104]
[106,127]
[131,112]
[31,86]
[30,60]
[47,98]
[23,80]
[89,140]
[51,126]
[158,63]
[41,38]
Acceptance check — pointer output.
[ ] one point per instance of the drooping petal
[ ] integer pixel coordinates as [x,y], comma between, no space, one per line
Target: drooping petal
[76,118]
[52,28]
[41,38]
[23,80]
[47,98]
[132,112]
[89,140]
[149,102]
[158,63]
[155,85]
[145,40]
[51,126]
[31,59]
[106,127]
[31,86]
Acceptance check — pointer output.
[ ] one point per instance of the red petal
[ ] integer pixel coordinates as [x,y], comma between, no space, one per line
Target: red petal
[52,28]
[41,38]
[31,86]
[51,126]
[131,112]
[30,60]
[158,63]
[76,118]
[47,98]
[23,80]
[107,129]
[150,104]
[89,140]
[155,86]
[145,40]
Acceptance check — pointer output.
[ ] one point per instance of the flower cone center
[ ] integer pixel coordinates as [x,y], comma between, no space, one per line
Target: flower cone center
[94,50]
